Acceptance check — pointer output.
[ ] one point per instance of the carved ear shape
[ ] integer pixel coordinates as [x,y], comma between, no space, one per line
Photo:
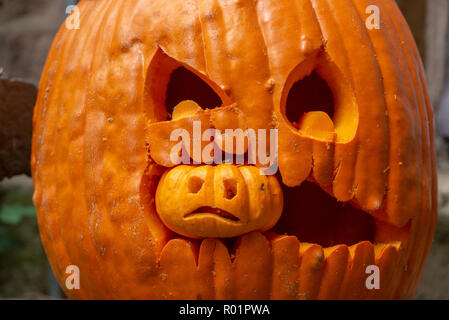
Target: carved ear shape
[169,82]
[319,102]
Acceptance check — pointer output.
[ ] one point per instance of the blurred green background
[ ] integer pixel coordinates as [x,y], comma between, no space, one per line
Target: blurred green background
[26,31]
[23,267]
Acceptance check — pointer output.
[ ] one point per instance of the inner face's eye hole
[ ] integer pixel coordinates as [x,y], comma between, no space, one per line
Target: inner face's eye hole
[310,94]
[185,85]
[195,184]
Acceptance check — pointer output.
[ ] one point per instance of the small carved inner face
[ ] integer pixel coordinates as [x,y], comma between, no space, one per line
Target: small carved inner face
[218,201]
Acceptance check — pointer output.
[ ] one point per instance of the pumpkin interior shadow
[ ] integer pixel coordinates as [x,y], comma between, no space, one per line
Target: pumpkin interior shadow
[313,216]
[312,93]
[185,85]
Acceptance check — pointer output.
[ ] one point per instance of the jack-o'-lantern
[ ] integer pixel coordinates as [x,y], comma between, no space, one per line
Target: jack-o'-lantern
[354,146]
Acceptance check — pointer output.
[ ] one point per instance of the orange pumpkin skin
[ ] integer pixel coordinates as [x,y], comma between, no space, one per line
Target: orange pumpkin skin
[95,179]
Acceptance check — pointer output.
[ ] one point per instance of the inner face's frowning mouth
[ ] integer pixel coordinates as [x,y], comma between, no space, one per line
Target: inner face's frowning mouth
[214,212]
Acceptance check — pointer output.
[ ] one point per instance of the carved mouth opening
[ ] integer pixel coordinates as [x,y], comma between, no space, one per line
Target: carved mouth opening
[215,211]
[314,216]
[310,214]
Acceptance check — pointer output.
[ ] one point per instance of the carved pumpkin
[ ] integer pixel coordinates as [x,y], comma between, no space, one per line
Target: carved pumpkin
[356,183]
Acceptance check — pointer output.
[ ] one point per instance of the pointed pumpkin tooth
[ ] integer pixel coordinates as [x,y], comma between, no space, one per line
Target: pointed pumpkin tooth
[215,267]
[386,259]
[310,270]
[253,247]
[354,282]
[184,109]
[317,125]
[336,261]
[285,284]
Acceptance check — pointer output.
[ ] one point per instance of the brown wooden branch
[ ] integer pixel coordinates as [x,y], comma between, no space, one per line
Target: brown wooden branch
[16,111]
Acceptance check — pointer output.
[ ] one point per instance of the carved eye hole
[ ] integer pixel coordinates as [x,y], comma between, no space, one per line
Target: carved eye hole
[185,85]
[311,94]
[319,102]
[169,82]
